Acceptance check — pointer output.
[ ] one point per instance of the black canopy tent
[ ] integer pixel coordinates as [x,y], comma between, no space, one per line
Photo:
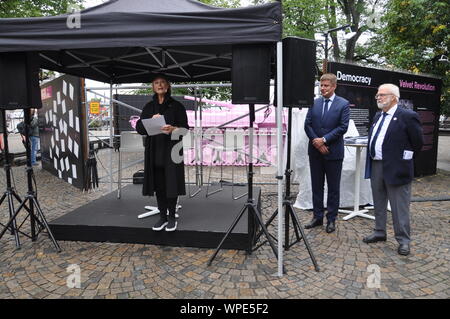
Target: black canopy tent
[125,41]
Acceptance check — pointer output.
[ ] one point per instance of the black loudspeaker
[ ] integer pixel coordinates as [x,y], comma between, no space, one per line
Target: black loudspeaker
[299,72]
[19,81]
[250,74]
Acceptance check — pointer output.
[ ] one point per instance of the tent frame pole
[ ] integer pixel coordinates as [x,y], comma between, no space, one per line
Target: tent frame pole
[111,128]
[279,177]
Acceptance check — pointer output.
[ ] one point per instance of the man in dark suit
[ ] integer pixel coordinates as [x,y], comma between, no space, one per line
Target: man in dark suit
[394,138]
[325,125]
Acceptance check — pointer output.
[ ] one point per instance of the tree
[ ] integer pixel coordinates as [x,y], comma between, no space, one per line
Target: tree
[212,93]
[223,3]
[305,18]
[35,8]
[415,38]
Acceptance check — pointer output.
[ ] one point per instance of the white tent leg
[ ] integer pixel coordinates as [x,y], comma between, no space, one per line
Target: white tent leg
[279,121]
[110,137]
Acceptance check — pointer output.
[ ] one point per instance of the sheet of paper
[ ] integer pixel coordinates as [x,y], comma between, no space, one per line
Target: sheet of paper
[153,125]
[74,171]
[71,90]
[75,149]
[77,124]
[71,118]
[70,145]
[407,155]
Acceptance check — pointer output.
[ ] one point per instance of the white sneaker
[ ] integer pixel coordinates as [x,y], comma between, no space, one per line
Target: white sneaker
[160,225]
[171,225]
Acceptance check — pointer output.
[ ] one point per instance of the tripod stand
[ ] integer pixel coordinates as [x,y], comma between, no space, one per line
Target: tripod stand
[10,193]
[250,205]
[34,211]
[287,205]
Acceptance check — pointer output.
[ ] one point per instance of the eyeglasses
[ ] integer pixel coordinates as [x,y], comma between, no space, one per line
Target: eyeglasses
[381,95]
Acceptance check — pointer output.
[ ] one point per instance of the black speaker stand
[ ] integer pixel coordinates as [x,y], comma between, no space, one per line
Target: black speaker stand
[34,212]
[249,206]
[10,193]
[290,214]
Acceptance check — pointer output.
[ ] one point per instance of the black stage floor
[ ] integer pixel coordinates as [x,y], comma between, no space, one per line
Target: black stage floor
[202,223]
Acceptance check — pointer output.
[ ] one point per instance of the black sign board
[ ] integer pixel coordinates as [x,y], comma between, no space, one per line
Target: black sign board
[417,92]
[62,130]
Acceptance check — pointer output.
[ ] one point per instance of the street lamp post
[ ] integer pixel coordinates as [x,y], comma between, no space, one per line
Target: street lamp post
[325,34]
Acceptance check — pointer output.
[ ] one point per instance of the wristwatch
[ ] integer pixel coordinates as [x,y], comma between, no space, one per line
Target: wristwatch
[324,140]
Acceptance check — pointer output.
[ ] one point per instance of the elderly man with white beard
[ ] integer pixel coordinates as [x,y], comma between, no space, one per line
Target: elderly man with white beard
[394,139]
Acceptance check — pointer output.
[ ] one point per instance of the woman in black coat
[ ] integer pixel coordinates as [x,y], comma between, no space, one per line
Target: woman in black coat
[164,167]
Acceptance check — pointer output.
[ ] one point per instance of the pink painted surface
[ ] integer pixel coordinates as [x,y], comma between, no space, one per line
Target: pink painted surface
[265,139]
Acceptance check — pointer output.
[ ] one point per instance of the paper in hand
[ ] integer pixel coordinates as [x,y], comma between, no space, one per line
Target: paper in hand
[153,126]
[407,155]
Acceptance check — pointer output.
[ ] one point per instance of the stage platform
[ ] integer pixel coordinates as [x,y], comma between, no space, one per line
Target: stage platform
[202,223]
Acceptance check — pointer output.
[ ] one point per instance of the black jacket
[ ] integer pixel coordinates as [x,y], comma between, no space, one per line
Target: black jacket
[404,133]
[175,115]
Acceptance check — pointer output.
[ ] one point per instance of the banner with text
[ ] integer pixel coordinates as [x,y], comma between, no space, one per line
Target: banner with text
[417,92]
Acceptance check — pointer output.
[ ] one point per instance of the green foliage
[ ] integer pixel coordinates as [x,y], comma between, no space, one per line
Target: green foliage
[303,18]
[416,36]
[222,3]
[35,8]
[148,91]
[46,74]
[213,93]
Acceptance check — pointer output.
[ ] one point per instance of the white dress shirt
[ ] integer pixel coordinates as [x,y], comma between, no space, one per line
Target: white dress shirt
[382,134]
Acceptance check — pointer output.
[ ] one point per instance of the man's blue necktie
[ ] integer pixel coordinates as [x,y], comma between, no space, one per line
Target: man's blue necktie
[325,108]
[374,140]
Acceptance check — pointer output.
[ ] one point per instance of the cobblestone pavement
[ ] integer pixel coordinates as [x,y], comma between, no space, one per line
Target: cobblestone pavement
[111,270]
